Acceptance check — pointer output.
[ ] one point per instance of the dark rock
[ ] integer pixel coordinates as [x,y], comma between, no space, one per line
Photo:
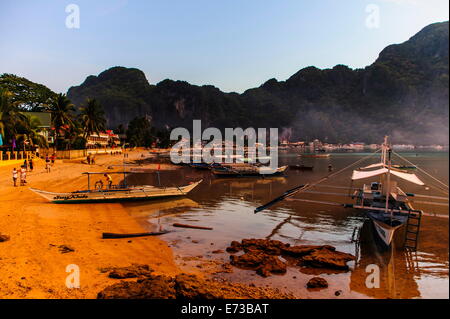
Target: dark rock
[218,251]
[263,264]
[317,282]
[327,258]
[299,251]
[235,246]
[190,287]
[132,271]
[4,238]
[157,287]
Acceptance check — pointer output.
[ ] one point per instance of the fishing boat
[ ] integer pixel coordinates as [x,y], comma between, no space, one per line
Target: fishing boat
[243,169]
[383,202]
[117,193]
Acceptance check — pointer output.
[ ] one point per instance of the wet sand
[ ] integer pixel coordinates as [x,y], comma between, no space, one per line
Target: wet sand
[31,261]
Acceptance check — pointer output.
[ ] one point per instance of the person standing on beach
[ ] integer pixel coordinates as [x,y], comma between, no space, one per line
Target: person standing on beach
[25,164]
[88,159]
[109,180]
[53,158]
[30,164]
[23,176]
[15,174]
[47,164]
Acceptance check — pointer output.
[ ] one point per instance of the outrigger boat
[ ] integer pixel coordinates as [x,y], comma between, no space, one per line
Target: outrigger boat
[384,203]
[243,169]
[117,193]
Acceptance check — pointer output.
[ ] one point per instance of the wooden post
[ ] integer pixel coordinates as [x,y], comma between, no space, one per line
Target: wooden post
[8,154]
[15,155]
[1,155]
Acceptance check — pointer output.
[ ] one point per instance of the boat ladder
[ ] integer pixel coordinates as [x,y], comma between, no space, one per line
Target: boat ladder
[412,229]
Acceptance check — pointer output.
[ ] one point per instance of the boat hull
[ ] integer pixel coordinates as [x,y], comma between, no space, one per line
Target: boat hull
[124,195]
[385,229]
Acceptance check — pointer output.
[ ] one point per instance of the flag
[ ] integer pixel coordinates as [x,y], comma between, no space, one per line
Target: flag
[1,140]
[159,167]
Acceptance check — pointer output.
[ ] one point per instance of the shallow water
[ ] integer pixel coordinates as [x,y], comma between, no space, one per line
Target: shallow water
[227,205]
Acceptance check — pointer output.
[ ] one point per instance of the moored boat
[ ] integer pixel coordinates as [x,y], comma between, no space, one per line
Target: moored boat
[116,193]
[246,170]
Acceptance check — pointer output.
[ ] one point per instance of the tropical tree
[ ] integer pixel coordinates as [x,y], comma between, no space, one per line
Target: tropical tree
[63,122]
[139,132]
[10,116]
[29,130]
[92,118]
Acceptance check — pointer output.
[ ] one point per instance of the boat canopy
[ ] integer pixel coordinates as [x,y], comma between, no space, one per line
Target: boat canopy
[406,176]
[373,165]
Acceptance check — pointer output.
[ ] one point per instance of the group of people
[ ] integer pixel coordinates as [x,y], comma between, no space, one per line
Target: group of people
[23,176]
[90,159]
[49,162]
[28,166]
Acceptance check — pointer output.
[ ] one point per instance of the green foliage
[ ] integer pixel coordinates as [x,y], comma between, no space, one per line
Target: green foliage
[139,132]
[27,95]
[92,118]
[63,122]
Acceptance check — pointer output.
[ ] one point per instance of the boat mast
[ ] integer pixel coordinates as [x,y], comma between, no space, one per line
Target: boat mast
[388,180]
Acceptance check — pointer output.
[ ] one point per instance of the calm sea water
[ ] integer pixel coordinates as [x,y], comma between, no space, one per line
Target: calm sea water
[227,205]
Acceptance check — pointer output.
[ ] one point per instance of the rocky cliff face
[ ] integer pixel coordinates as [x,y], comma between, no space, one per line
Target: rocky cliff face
[404,93]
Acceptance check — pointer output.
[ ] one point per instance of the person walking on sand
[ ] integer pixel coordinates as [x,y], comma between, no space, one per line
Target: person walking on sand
[25,164]
[93,160]
[47,164]
[53,158]
[23,176]
[15,175]
[31,165]
[109,180]
[89,159]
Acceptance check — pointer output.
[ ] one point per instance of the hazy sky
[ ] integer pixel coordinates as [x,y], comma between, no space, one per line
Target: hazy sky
[231,44]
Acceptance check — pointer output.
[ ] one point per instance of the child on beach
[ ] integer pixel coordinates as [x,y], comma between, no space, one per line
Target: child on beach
[53,158]
[23,176]
[14,174]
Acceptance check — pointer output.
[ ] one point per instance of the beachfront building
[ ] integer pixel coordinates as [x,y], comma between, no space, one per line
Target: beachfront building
[103,140]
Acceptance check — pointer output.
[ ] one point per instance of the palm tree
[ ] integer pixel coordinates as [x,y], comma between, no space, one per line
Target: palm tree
[29,130]
[10,116]
[92,118]
[62,116]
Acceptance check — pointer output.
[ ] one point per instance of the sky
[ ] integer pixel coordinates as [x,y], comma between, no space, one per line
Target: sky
[231,44]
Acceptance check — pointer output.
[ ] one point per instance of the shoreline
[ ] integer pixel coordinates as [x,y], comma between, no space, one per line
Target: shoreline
[34,266]
[45,238]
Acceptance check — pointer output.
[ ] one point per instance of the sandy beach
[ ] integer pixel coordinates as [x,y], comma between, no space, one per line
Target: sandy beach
[32,261]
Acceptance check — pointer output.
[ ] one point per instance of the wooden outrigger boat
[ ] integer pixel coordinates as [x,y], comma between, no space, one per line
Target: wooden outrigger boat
[243,169]
[383,202]
[116,193]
